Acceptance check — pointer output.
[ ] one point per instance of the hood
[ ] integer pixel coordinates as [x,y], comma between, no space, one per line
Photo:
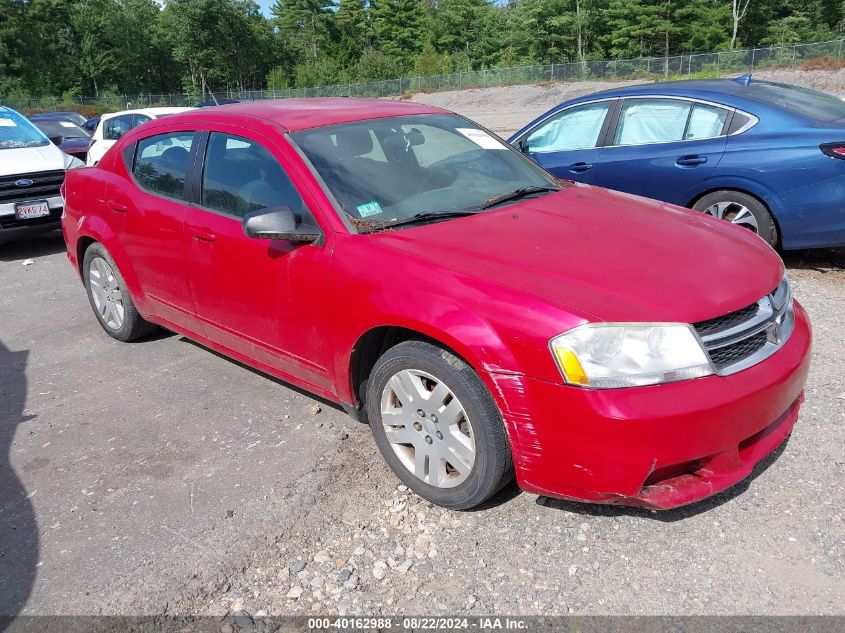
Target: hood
[25,160]
[75,145]
[604,255]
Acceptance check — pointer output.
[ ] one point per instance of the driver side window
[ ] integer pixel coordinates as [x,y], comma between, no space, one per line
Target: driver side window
[241,176]
[574,128]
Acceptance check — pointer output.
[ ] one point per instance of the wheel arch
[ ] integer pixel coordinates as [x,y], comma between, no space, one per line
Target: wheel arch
[372,343]
[93,230]
[748,192]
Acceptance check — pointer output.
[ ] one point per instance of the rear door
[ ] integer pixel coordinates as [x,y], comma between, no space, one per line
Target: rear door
[663,147]
[154,203]
[567,143]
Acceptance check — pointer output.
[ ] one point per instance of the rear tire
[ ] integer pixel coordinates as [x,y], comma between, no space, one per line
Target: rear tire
[109,297]
[742,210]
[437,426]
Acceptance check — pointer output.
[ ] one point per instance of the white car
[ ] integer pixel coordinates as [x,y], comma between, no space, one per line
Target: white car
[32,171]
[114,125]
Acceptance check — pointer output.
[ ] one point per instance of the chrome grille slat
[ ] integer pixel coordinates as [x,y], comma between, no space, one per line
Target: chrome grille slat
[743,338]
[45,184]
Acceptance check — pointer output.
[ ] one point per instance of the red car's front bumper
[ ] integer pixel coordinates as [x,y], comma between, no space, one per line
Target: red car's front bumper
[657,447]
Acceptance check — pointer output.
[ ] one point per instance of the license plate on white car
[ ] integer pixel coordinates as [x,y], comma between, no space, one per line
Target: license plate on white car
[32,209]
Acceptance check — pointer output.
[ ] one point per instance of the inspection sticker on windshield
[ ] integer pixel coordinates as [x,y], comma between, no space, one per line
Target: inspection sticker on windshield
[480,138]
[369,208]
[67,124]
[7,123]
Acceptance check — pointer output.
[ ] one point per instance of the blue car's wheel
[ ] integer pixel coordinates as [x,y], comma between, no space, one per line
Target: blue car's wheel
[740,209]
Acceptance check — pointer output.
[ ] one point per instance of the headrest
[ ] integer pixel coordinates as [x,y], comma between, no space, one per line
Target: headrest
[354,141]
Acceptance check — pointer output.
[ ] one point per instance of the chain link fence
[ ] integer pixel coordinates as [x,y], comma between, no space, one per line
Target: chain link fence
[718,63]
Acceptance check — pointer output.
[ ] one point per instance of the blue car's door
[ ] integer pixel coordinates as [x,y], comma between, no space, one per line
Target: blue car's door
[568,143]
[662,147]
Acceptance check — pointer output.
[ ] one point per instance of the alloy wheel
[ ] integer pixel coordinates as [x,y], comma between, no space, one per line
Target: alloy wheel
[735,213]
[106,293]
[428,428]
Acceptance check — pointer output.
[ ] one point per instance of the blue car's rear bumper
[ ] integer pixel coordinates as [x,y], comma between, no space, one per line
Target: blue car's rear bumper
[812,216]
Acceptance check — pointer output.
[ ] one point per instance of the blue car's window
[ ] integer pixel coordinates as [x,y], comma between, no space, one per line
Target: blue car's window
[575,128]
[652,121]
[705,122]
[809,103]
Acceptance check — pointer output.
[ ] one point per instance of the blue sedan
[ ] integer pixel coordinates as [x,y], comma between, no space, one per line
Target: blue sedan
[765,156]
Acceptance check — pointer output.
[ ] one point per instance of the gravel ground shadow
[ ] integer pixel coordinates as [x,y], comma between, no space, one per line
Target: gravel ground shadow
[39,245]
[18,527]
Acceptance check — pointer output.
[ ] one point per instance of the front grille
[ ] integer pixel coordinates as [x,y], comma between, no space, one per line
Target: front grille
[45,184]
[11,222]
[740,339]
[726,322]
[726,356]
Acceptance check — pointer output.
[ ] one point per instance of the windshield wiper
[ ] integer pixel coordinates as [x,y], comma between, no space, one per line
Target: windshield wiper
[421,218]
[516,194]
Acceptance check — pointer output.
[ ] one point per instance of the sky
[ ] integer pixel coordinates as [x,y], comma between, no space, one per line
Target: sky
[265,6]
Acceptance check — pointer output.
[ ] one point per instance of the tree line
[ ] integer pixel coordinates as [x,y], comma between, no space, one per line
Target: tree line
[101,47]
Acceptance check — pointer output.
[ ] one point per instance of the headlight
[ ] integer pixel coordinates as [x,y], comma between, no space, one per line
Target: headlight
[613,355]
[72,162]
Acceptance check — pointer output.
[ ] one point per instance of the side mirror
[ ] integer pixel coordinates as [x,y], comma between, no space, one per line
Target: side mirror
[522,144]
[57,140]
[278,223]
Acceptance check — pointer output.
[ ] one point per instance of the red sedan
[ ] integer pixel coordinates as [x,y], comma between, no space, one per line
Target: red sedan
[485,318]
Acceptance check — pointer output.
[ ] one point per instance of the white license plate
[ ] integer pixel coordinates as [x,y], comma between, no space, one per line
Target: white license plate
[31,210]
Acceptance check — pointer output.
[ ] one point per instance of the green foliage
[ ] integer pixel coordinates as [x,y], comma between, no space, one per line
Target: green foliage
[117,47]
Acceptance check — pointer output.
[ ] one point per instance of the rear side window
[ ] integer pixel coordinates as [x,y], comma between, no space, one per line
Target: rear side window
[652,121]
[705,121]
[161,163]
[241,176]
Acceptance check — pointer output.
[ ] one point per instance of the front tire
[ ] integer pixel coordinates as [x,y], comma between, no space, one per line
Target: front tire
[109,297]
[437,426]
[742,210]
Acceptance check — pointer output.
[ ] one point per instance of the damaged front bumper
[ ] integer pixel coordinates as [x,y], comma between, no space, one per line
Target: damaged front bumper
[657,447]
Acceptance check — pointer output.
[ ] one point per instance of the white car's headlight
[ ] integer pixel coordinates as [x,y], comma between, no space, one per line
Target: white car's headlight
[72,162]
[613,355]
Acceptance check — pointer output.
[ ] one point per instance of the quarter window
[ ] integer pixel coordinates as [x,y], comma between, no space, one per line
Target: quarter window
[575,128]
[241,176]
[161,163]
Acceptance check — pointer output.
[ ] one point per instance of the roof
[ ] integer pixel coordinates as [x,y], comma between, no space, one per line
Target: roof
[151,111]
[302,114]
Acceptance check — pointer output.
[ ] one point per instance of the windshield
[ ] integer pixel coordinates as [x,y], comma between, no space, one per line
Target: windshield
[802,101]
[393,169]
[16,131]
[61,128]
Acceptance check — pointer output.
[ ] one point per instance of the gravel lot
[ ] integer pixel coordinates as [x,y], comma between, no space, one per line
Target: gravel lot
[160,477]
[506,109]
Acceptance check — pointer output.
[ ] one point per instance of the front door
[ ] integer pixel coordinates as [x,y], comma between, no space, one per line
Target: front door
[663,148]
[567,143]
[255,297]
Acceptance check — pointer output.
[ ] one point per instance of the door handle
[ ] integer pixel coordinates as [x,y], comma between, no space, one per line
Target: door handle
[691,161]
[120,207]
[204,235]
[580,167]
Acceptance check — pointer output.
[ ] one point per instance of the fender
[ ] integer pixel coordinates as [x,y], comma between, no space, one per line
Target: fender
[94,227]
[741,183]
[466,333]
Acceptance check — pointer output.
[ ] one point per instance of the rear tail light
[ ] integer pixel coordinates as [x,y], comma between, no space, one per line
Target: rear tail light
[836,150]
[62,192]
